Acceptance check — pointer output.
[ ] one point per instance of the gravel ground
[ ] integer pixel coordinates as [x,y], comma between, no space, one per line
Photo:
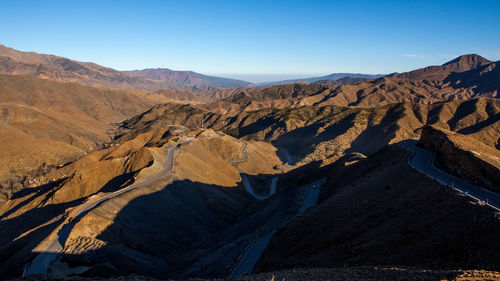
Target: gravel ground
[345,274]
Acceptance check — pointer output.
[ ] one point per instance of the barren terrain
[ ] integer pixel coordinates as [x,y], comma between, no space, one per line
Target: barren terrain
[294,181]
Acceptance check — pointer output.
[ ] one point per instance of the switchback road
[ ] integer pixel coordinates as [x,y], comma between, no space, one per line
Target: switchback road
[246,261]
[423,161]
[50,249]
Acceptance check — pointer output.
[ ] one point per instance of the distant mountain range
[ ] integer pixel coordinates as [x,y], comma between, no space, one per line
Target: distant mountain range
[330,77]
[188,78]
[90,74]
[466,77]
[67,70]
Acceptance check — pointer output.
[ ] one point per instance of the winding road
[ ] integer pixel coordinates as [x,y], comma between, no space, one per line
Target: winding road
[50,249]
[246,182]
[287,155]
[249,188]
[423,161]
[247,260]
[242,159]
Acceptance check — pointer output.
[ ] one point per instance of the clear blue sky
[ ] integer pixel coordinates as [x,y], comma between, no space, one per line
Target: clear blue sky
[253,39]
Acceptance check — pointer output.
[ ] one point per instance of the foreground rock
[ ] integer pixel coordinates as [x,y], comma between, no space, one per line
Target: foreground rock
[327,274]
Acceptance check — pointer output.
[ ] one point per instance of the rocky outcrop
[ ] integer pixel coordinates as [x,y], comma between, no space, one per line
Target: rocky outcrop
[464,157]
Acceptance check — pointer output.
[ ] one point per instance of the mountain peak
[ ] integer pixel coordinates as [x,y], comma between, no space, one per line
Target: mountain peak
[468,61]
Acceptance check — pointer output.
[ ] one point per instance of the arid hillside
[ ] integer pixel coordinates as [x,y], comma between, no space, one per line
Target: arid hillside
[465,77]
[50,122]
[379,211]
[191,181]
[125,210]
[464,157]
[312,133]
[197,96]
[440,72]
[187,186]
[61,69]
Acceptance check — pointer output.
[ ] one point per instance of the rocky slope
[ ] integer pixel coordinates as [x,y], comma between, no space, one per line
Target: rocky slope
[61,69]
[464,157]
[465,77]
[197,219]
[374,273]
[317,132]
[372,223]
[379,211]
[169,198]
[440,72]
[200,196]
[50,122]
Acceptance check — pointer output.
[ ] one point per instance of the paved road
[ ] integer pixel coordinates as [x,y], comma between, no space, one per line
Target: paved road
[242,159]
[287,155]
[246,182]
[249,188]
[246,262]
[311,197]
[422,160]
[49,253]
[252,255]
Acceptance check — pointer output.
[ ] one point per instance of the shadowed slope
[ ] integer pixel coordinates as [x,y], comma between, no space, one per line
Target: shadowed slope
[371,214]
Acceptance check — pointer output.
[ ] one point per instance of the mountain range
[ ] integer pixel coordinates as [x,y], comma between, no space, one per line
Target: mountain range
[189,78]
[177,175]
[61,69]
[91,74]
[329,77]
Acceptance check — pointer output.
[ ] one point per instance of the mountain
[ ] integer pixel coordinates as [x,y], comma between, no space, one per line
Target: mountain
[189,78]
[51,115]
[44,122]
[333,77]
[478,78]
[177,201]
[197,96]
[203,198]
[217,183]
[61,69]
[379,211]
[313,133]
[67,70]
[459,64]
[341,81]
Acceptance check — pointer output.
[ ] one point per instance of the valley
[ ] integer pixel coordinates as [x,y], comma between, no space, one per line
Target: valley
[168,174]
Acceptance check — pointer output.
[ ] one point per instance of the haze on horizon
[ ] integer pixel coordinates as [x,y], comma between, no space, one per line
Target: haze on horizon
[256,40]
